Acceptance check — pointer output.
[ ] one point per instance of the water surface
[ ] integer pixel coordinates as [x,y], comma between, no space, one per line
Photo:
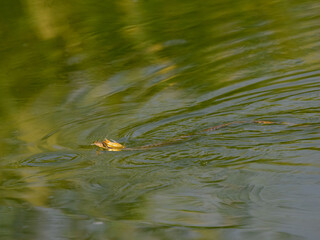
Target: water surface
[140,72]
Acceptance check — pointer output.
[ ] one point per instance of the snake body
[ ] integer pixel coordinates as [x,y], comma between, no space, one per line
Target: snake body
[115,146]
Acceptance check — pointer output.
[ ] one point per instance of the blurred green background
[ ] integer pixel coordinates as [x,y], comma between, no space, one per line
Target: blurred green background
[141,72]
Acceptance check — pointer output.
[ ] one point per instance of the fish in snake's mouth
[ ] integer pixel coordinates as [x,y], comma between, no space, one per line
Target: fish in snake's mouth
[109,145]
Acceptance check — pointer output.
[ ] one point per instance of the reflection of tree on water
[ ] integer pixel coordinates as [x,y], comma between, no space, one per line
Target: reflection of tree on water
[58,42]
[21,192]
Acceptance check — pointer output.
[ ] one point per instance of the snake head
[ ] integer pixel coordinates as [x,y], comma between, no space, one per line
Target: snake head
[109,145]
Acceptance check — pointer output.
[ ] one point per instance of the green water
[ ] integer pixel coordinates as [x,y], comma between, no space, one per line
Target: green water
[140,72]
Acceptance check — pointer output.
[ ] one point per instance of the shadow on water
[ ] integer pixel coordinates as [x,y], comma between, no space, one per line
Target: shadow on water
[145,72]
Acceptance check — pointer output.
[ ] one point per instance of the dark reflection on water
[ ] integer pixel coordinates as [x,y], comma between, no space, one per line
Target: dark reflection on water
[145,72]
